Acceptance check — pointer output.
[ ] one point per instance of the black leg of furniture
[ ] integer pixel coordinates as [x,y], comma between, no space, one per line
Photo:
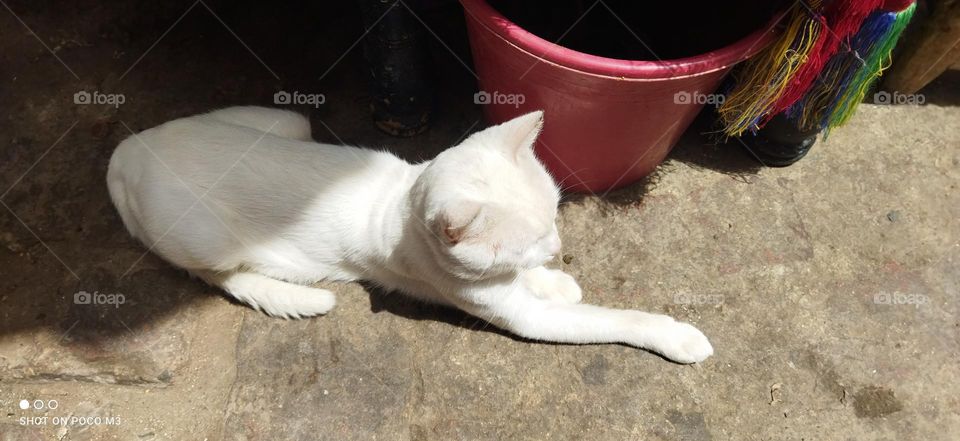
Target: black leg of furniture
[397,58]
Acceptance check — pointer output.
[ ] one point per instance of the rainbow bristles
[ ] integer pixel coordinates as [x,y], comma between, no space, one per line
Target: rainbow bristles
[762,80]
[842,69]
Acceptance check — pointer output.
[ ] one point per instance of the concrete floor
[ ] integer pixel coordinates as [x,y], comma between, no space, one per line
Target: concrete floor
[786,270]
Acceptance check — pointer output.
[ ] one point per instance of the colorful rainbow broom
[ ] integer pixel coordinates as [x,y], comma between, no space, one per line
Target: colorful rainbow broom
[820,68]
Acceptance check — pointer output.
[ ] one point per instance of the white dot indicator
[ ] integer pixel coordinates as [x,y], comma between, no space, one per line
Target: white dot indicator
[24,404]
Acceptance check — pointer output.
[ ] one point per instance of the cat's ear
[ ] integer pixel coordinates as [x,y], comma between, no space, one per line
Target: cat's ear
[456,221]
[518,135]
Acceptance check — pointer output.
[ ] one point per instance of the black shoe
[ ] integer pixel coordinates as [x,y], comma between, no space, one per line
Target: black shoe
[779,143]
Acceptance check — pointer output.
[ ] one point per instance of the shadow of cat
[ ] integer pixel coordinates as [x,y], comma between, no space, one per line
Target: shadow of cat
[410,308]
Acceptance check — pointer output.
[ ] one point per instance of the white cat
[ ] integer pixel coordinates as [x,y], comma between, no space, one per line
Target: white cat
[244,199]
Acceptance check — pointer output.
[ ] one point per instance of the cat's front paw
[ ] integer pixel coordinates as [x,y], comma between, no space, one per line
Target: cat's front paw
[555,285]
[682,343]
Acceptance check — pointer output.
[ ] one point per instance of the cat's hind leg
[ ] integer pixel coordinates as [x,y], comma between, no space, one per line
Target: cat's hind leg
[272,296]
[279,122]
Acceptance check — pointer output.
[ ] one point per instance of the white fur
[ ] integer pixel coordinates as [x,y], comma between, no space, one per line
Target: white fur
[242,198]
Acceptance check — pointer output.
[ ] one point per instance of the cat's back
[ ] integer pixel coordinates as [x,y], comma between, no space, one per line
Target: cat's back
[205,145]
[203,138]
[167,167]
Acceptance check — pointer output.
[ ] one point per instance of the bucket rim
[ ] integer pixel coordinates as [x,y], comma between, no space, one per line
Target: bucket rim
[552,53]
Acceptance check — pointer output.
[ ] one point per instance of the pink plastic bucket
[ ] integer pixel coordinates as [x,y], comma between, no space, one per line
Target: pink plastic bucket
[608,122]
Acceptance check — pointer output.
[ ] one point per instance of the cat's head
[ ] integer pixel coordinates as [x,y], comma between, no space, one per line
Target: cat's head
[490,204]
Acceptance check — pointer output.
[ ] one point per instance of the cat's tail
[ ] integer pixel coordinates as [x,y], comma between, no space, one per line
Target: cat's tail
[272,296]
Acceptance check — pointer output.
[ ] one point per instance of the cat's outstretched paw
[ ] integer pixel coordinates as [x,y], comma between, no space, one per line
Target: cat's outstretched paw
[682,343]
[555,285]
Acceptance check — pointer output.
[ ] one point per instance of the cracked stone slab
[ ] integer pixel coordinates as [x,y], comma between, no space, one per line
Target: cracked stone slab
[103,328]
